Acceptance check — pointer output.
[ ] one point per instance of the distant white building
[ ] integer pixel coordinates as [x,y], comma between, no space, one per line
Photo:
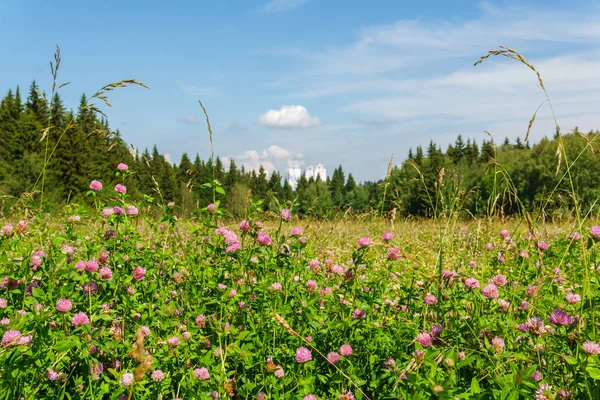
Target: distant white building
[294,175]
[316,172]
[311,171]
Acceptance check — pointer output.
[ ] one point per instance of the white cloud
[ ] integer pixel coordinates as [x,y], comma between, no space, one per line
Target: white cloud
[288,117]
[278,152]
[281,5]
[271,159]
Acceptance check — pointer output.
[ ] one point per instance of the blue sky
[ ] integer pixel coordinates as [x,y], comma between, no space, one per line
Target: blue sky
[312,81]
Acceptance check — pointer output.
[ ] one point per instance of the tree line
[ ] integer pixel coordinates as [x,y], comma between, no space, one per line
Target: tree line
[470,178]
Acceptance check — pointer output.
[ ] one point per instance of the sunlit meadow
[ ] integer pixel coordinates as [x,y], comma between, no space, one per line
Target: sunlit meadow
[120,299]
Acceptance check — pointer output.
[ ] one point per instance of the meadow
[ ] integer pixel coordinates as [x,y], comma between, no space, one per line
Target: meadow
[119,295]
[126,302]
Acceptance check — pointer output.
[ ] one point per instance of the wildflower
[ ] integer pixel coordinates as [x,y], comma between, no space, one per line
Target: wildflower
[430,300]
[564,394]
[285,214]
[333,357]
[171,204]
[138,273]
[3,303]
[591,347]
[15,338]
[64,305]
[338,269]
[80,319]
[490,291]
[310,397]
[489,246]
[311,285]
[531,290]
[472,264]
[497,344]
[595,231]
[263,239]
[536,376]
[559,317]
[131,210]
[122,167]
[393,253]
[21,228]
[303,355]
[118,210]
[105,273]
[504,233]
[127,379]
[90,288]
[232,293]
[120,188]
[524,254]
[157,375]
[201,321]
[36,262]
[542,245]
[357,313]
[471,283]
[96,185]
[6,230]
[503,304]
[231,238]
[279,373]
[364,242]
[575,236]
[346,350]
[435,331]
[51,374]
[536,326]
[244,226]
[277,286]
[261,396]
[296,231]
[91,266]
[573,298]
[173,341]
[424,339]
[387,236]
[544,392]
[233,248]
[499,280]
[346,396]
[107,212]
[524,305]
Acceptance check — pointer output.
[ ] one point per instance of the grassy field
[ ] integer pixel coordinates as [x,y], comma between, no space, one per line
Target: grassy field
[122,302]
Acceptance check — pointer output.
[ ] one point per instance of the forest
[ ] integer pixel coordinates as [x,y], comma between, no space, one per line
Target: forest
[474,178]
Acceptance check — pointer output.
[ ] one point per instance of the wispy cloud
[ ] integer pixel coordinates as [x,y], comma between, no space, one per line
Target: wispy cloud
[274,6]
[189,119]
[415,78]
[198,91]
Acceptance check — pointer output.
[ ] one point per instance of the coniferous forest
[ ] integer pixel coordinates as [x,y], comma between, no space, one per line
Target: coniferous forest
[476,178]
